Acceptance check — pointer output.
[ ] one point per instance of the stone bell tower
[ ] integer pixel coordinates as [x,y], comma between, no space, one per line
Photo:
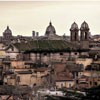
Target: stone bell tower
[74,32]
[84,32]
[84,35]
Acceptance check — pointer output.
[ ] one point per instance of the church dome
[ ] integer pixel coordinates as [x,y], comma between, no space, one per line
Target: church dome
[74,26]
[50,30]
[84,26]
[8,31]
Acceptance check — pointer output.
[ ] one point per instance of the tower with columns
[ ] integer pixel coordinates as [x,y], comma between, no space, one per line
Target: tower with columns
[84,32]
[83,38]
[74,32]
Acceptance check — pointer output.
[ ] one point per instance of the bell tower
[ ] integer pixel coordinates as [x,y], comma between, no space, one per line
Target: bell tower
[84,32]
[84,36]
[74,32]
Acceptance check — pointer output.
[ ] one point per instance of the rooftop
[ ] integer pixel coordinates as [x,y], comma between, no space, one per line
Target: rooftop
[45,46]
[74,67]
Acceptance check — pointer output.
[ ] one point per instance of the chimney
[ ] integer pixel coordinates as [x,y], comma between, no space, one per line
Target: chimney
[33,33]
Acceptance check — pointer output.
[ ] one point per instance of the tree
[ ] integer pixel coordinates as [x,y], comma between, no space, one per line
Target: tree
[93,93]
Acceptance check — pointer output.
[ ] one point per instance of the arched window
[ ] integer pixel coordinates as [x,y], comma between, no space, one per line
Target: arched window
[75,35]
[86,35]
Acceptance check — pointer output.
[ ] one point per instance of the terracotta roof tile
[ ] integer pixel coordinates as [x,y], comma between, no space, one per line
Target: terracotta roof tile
[59,67]
[41,69]
[45,45]
[63,78]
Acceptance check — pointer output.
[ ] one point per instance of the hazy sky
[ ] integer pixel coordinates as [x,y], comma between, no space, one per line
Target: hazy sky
[24,17]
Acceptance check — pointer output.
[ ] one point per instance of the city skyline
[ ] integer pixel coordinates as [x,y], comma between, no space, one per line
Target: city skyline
[24,17]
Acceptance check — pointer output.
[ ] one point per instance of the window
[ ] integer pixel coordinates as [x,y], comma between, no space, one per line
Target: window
[75,36]
[86,34]
[69,84]
[45,54]
[12,48]
[95,83]
[76,73]
[61,53]
[76,81]
[18,79]
[90,83]
[62,85]
[75,53]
